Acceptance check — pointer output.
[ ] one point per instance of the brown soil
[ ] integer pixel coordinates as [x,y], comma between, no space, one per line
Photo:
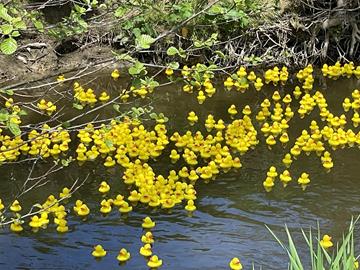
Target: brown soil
[35,60]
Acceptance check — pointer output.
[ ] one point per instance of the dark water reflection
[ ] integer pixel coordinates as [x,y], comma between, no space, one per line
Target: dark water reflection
[232,210]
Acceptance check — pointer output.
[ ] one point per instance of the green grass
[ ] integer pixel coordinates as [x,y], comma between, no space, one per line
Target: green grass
[340,257]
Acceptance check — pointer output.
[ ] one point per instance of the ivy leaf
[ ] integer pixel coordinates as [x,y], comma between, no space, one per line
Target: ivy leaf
[8,46]
[171,51]
[15,34]
[144,41]
[153,116]
[14,129]
[22,113]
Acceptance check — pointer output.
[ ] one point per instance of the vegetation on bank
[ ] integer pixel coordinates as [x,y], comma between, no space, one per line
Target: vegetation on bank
[222,32]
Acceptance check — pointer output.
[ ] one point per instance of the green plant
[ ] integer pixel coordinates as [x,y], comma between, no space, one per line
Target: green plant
[342,257]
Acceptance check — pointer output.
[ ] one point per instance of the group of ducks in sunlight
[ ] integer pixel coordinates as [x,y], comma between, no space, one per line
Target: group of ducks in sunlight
[200,153]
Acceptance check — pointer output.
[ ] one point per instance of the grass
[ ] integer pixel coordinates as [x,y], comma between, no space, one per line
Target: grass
[340,257]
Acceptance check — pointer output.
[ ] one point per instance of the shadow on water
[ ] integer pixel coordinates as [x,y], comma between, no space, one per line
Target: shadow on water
[232,210]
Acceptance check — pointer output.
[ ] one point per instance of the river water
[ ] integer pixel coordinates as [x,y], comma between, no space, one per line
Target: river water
[231,211]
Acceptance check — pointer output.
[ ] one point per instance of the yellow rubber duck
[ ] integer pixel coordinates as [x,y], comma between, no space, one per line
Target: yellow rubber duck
[134,196]
[98,252]
[148,223]
[16,226]
[105,206]
[232,110]
[201,97]
[104,97]
[235,264]
[246,110]
[304,180]
[83,210]
[297,92]
[284,138]
[146,250]
[62,226]
[174,156]
[119,200]
[190,206]
[258,84]
[192,118]
[169,71]
[252,76]
[228,83]
[270,141]
[268,184]
[147,238]
[287,160]
[115,74]
[35,222]
[104,187]
[109,162]
[272,172]
[154,262]
[285,177]
[2,206]
[123,255]
[125,208]
[15,206]
[326,241]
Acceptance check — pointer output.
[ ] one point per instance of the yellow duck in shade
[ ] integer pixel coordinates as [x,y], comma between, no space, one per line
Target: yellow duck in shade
[304,180]
[326,241]
[35,222]
[104,187]
[104,97]
[65,193]
[192,118]
[272,172]
[258,84]
[232,110]
[148,223]
[98,252]
[154,262]
[287,160]
[201,97]
[15,206]
[16,226]
[115,74]
[147,238]
[235,264]
[285,177]
[123,255]
[146,250]
[268,184]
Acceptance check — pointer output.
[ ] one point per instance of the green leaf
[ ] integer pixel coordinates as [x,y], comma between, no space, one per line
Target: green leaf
[22,113]
[66,124]
[9,92]
[220,54]
[120,11]
[123,57]
[8,46]
[172,51]
[15,34]
[78,106]
[116,107]
[14,129]
[173,65]
[6,29]
[38,25]
[64,162]
[109,143]
[153,115]
[4,15]
[20,25]
[4,117]
[144,41]
[136,69]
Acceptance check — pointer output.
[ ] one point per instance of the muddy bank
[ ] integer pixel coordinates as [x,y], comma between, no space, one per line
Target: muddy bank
[40,59]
